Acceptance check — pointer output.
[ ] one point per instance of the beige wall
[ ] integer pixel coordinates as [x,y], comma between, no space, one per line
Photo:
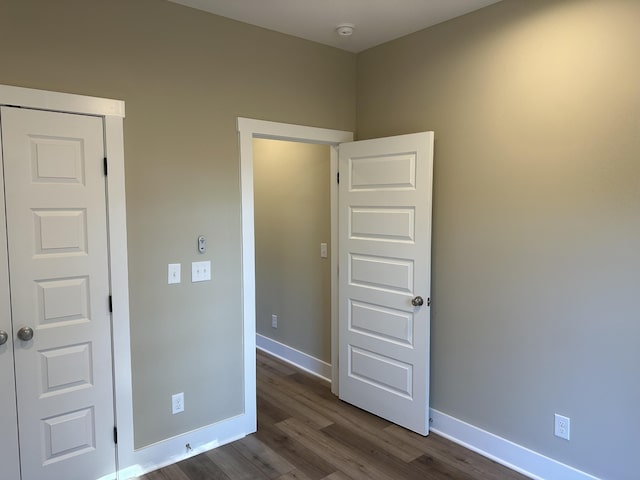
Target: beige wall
[185,77]
[536,197]
[536,259]
[292,218]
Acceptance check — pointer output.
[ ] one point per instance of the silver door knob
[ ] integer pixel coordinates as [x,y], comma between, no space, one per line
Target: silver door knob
[3,337]
[25,334]
[417,301]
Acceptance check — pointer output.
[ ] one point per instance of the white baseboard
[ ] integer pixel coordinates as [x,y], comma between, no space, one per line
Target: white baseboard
[174,450]
[527,462]
[295,357]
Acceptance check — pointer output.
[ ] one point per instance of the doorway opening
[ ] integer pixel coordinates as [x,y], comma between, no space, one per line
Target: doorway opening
[292,247]
[250,129]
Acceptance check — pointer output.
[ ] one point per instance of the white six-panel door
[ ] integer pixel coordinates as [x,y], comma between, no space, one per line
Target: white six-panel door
[385,261]
[58,269]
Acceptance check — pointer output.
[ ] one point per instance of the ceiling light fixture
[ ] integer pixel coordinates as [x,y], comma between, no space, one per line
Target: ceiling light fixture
[345,29]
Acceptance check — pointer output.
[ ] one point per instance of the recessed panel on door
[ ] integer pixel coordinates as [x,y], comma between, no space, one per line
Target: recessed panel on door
[68,435]
[60,231]
[394,376]
[383,172]
[391,274]
[57,160]
[390,224]
[381,322]
[66,368]
[62,301]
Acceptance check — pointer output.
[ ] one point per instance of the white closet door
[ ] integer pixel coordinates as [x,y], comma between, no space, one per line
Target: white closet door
[9,459]
[58,267]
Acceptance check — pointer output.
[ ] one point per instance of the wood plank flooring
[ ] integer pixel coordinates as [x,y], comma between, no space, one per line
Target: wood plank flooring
[305,433]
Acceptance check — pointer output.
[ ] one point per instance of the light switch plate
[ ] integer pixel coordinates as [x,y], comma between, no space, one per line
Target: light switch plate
[323,250]
[174,273]
[200,271]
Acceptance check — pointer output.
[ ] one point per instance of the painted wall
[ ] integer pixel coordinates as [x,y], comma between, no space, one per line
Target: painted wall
[292,218]
[536,229]
[536,111]
[185,76]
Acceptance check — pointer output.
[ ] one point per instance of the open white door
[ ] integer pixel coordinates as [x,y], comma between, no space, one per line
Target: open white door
[384,228]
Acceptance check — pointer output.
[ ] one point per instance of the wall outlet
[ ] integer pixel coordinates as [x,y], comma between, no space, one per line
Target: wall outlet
[177,403]
[274,321]
[562,426]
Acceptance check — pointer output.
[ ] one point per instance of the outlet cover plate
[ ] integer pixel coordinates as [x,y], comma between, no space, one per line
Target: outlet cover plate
[177,403]
[562,426]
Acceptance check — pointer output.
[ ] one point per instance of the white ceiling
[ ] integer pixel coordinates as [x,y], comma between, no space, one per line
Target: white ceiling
[376,21]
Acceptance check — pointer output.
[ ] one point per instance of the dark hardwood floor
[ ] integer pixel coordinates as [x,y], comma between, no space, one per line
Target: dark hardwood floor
[305,433]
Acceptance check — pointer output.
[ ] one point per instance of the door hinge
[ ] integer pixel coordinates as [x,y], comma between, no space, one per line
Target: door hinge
[106,169]
[338,178]
[110,304]
[115,435]
[429,302]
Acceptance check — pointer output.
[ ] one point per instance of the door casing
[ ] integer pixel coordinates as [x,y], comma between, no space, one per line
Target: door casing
[248,129]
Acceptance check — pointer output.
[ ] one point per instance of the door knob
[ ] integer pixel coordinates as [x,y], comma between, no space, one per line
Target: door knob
[416,302]
[25,334]
[3,337]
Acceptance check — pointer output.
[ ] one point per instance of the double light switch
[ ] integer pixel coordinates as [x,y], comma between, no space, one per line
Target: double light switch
[200,272]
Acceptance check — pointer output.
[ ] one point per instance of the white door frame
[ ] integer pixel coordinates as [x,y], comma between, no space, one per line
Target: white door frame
[248,129]
[112,112]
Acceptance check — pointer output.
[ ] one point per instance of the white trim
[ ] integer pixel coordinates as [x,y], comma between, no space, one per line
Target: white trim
[60,102]
[123,393]
[292,133]
[333,258]
[521,459]
[295,357]
[174,449]
[248,276]
[248,129]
